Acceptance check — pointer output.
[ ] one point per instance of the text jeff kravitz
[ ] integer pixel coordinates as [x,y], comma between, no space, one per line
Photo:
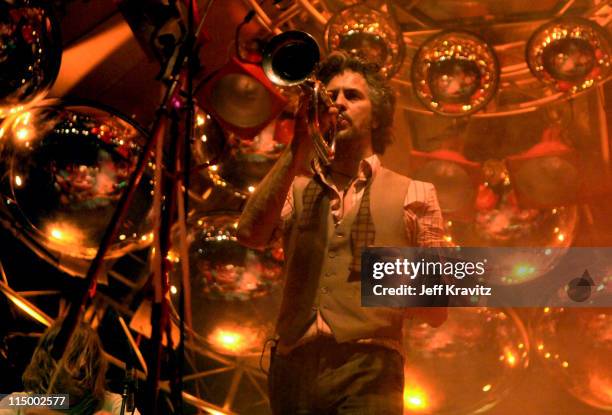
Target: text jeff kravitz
[439,289]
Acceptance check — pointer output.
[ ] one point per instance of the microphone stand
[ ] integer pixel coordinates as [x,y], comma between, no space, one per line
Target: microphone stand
[159,314]
[129,387]
[88,289]
[182,186]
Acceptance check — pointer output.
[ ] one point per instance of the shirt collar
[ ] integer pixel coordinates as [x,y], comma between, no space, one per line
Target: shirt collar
[368,167]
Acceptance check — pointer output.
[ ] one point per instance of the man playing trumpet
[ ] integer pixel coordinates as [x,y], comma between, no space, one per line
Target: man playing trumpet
[333,355]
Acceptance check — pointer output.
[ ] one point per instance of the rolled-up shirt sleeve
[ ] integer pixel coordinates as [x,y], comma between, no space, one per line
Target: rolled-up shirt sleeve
[286,217]
[425,226]
[423,216]
[288,208]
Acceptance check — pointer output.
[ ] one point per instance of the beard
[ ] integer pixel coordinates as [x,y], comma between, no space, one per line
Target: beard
[346,130]
[345,134]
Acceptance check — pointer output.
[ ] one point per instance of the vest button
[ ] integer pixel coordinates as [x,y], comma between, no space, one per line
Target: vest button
[330,274]
[324,290]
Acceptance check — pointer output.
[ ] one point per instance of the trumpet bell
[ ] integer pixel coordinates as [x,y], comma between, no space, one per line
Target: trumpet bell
[290,58]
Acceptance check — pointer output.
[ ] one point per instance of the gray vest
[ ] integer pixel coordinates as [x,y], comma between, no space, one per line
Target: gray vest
[322,263]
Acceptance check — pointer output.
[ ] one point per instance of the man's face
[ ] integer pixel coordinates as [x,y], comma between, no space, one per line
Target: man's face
[349,91]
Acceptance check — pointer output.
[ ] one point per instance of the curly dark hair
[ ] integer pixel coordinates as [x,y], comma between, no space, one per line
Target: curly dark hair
[381,94]
[83,375]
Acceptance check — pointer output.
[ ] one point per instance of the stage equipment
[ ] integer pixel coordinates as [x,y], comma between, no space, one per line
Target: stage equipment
[455,73]
[209,139]
[335,5]
[241,98]
[66,166]
[369,34]
[224,269]
[229,162]
[235,290]
[24,305]
[570,54]
[574,345]
[290,59]
[157,26]
[30,52]
[168,199]
[501,222]
[487,211]
[467,365]
[545,176]
[456,180]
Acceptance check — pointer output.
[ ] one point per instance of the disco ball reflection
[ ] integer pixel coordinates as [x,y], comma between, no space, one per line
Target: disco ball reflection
[454,81]
[30,52]
[235,165]
[237,328]
[501,223]
[466,365]
[455,73]
[575,345]
[235,290]
[454,185]
[571,54]
[66,167]
[220,267]
[371,35]
[506,226]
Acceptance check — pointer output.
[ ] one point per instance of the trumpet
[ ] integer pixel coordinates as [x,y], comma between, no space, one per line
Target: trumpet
[290,59]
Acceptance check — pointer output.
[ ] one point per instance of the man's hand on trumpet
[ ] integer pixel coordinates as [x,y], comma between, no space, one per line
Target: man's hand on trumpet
[303,145]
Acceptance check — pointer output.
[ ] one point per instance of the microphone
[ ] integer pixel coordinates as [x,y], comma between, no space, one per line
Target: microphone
[157,25]
[129,389]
